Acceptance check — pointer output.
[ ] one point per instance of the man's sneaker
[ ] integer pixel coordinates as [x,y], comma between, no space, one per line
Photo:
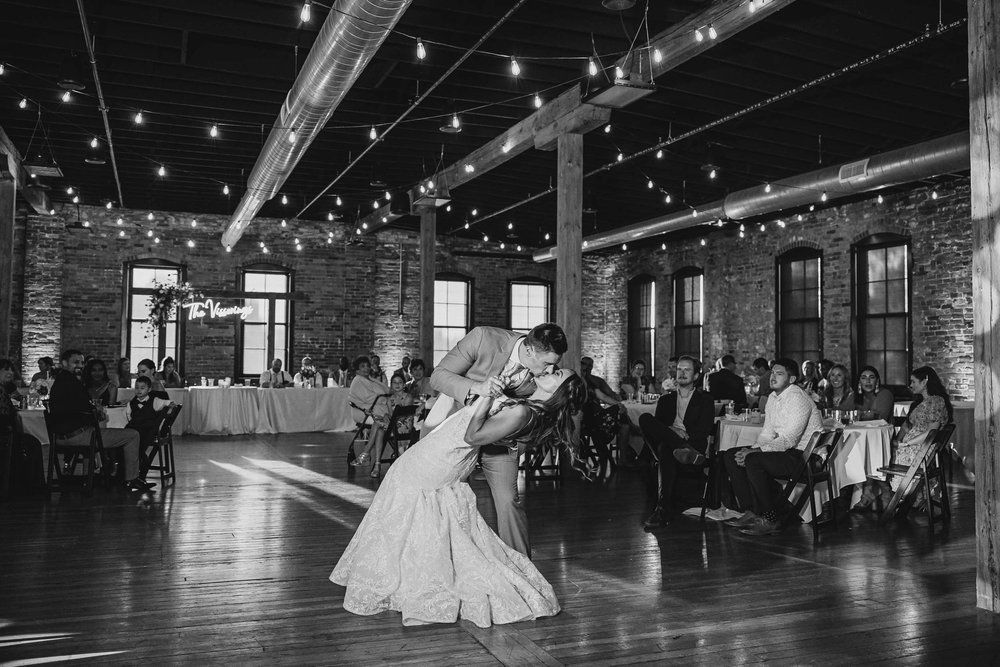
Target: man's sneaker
[763,527]
[748,518]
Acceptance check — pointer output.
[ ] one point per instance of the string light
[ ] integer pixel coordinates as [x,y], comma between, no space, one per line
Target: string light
[329,241]
[812,207]
[619,72]
[190,243]
[430,184]
[156,239]
[455,123]
[264,250]
[934,194]
[66,97]
[214,132]
[592,67]
[505,148]
[372,133]
[298,246]
[69,190]
[375,205]
[229,248]
[388,196]
[538,102]
[149,216]
[624,246]
[712,33]
[306,13]
[292,137]
[649,184]
[486,239]
[121,233]
[120,221]
[284,223]
[284,200]
[799,217]
[340,202]
[762,226]
[225,189]
[469,169]
[823,197]
[880,199]
[621,156]
[657,56]
[515,69]
[547,236]
[94,143]
[781,223]
[702,242]
[659,154]
[149,234]
[329,216]
[663,246]
[466,225]
[767,187]
[23,104]
[667,198]
[607,129]
[194,223]
[76,199]
[421,51]
[694,213]
[742,227]
[1,69]
[108,205]
[448,208]
[510,225]
[502,245]
[698,37]
[712,174]
[162,171]
[137,118]
[475,212]
[519,248]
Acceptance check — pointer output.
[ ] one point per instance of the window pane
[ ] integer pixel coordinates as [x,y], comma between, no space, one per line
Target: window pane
[281,311]
[255,336]
[260,310]
[140,306]
[895,260]
[456,292]
[281,340]
[141,336]
[456,315]
[810,276]
[254,282]
[874,333]
[896,371]
[254,361]
[876,298]
[895,333]
[896,296]
[276,282]
[876,265]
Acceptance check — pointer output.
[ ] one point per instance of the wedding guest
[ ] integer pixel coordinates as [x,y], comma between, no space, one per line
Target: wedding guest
[144,414]
[398,396]
[404,369]
[123,373]
[308,376]
[837,394]
[368,396]
[46,370]
[168,376]
[26,468]
[725,385]
[762,369]
[604,422]
[637,380]
[70,406]
[275,378]
[825,366]
[342,374]
[147,368]
[99,385]
[872,401]
[931,409]
[420,382]
[789,422]
[376,371]
[670,382]
[810,377]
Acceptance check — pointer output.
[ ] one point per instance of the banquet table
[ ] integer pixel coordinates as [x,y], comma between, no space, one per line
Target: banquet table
[177,395]
[298,410]
[964,439]
[635,409]
[33,422]
[222,410]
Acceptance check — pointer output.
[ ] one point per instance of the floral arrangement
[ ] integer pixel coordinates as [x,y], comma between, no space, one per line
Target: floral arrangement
[164,299]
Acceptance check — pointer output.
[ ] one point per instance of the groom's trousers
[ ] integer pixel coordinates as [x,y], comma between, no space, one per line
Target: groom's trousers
[500,468]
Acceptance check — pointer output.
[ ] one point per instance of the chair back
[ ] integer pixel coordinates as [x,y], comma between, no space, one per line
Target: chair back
[167,423]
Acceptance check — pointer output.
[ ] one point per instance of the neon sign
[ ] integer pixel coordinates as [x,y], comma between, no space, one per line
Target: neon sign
[209,308]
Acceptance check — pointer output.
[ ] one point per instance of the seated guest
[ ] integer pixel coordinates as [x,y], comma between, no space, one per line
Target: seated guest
[146,368]
[931,409]
[837,394]
[809,382]
[404,369]
[872,401]
[670,382]
[145,412]
[69,404]
[368,402]
[342,374]
[376,371]
[420,383]
[762,369]
[123,373]
[168,376]
[99,385]
[26,469]
[607,422]
[825,366]
[308,376]
[275,378]
[398,396]
[678,432]
[45,370]
[789,422]
[637,380]
[725,385]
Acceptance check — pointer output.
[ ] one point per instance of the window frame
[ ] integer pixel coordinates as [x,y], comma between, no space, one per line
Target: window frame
[793,255]
[638,334]
[677,279]
[529,280]
[859,302]
[272,298]
[129,291]
[446,276]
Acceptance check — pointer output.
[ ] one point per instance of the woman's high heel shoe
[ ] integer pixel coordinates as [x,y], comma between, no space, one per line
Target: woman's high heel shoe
[376,471]
[361,460]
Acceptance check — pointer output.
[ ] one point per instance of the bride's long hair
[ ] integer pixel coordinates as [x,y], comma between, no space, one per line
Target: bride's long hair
[555,418]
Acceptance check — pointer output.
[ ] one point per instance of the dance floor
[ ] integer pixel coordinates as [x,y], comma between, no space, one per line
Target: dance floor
[231,565]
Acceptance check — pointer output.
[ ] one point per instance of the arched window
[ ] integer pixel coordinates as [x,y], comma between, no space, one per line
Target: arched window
[530,299]
[642,320]
[452,311]
[800,324]
[688,312]
[266,333]
[141,277]
[882,306]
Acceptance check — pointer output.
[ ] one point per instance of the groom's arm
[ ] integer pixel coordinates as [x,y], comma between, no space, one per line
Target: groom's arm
[449,377]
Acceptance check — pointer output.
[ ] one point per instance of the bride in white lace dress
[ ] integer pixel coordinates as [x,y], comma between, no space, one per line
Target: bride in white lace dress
[424,550]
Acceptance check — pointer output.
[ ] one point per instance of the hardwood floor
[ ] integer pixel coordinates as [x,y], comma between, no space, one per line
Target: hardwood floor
[231,566]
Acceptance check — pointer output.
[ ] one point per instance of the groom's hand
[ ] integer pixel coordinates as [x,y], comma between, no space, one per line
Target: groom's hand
[491,386]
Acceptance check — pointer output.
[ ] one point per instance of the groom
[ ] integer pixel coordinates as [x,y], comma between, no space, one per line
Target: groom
[465,373]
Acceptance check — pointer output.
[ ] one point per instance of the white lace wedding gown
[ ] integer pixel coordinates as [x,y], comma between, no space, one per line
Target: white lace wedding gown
[424,550]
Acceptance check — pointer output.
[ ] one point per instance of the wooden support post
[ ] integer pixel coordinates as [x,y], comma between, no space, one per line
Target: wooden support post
[984,110]
[8,195]
[428,266]
[569,230]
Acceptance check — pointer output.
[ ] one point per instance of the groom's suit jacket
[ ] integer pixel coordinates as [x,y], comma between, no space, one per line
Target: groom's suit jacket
[482,353]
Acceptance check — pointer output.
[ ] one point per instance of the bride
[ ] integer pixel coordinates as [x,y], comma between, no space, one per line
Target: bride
[424,550]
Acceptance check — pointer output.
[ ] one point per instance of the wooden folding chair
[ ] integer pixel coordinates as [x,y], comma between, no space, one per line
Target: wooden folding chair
[89,453]
[925,467]
[162,448]
[542,464]
[823,446]
[394,438]
[362,428]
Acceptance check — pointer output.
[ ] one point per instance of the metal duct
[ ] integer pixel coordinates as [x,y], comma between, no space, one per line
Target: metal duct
[350,36]
[931,158]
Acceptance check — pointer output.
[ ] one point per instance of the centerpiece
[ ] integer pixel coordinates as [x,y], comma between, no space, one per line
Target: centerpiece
[164,301]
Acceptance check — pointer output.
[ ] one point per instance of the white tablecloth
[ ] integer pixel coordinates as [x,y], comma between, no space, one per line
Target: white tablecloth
[635,409]
[33,422]
[227,411]
[297,410]
[178,395]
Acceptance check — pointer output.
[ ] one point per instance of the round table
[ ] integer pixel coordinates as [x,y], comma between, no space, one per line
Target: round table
[33,422]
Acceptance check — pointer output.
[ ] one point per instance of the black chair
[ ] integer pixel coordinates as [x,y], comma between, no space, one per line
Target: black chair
[544,463]
[707,472]
[88,453]
[162,448]
[926,467]
[362,428]
[819,452]
[394,438]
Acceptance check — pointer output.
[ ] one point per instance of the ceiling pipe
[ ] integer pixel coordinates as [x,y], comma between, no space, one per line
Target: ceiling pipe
[943,155]
[349,38]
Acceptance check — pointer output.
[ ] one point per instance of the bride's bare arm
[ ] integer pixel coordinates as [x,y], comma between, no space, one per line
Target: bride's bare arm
[485,430]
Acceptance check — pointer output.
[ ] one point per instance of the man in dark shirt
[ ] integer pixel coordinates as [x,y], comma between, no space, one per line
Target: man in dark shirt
[69,404]
[725,385]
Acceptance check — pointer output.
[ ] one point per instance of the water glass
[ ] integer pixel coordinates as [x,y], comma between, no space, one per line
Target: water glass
[204,381]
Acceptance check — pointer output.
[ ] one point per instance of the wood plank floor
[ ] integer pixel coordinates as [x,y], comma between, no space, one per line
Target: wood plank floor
[230,566]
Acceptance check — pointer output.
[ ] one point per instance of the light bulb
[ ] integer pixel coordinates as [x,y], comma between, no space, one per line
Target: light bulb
[742,227]
[375,205]
[649,184]
[329,217]
[340,202]
[388,196]
[306,13]
[76,199]
[430,185]
[823,197]
[720,223]
[284,223]
[1,69]
[694,213]
[515,69]
[284,200]
[753,6]
[659,154]
[120,221]
[161,171]
[624,246]
[880,199]
[934,194]
[264,250]
[703,242]
[607,129]
[121,233]
[455,123]
[298,246]
[538,102]
[510,225]
[519,248]
[94,143]
[137,118]
[229,248]
[781,223]
[156,240]
[297,240]
[149,216]
[619,72]
[108,205]
[762,226]
[421,51]
[261,244]
[799,217]
[592,67]
[194,223]
[667,198]
[621,156]
[767,187]
[149,233]
[69,190]
[475,211]
[190,243]
[712,174]
[486,239]
[698,37]
[469,169]
[66,97]
[329,241]
[663,246]
[225,189]
[502,246]
[423,188]
[214,132]
[712,32]
[742,235]
[23,104]
[657,56]
[547,236]
[52,211]
[292,136]
[372,133]
[584,244]
[812,207]
[448,208]
[466,225]
[505,148]
[330,234]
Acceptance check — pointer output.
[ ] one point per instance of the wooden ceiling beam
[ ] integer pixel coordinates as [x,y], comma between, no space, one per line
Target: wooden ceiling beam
[11,162]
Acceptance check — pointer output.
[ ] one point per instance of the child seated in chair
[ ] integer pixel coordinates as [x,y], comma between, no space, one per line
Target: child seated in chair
[145,412]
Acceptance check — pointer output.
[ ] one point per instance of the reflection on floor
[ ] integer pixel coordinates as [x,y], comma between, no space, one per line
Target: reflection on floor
[231,566]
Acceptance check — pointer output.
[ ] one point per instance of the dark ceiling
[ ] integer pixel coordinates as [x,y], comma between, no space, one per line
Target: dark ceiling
[188,64]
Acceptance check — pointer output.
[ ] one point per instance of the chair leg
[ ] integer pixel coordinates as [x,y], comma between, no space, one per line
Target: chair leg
[833,501]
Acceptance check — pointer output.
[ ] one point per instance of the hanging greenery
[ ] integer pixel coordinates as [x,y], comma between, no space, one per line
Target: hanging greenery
[164,299]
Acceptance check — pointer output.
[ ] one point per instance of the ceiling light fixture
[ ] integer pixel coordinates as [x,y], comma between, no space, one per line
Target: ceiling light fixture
[23,104]
[214,132]
[306,13]
[698,37]
[372,133]
[515,69]
[66,97]
[592,67]
[421,51]
[137,118]
[225,189]
[162,171]
[712,32]
[538,102]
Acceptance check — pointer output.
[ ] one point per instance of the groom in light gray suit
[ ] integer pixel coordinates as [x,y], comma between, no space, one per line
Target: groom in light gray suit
[513,360]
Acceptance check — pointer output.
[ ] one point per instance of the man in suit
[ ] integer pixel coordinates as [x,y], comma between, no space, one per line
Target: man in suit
[725,385]
[678,432]
[484,357]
